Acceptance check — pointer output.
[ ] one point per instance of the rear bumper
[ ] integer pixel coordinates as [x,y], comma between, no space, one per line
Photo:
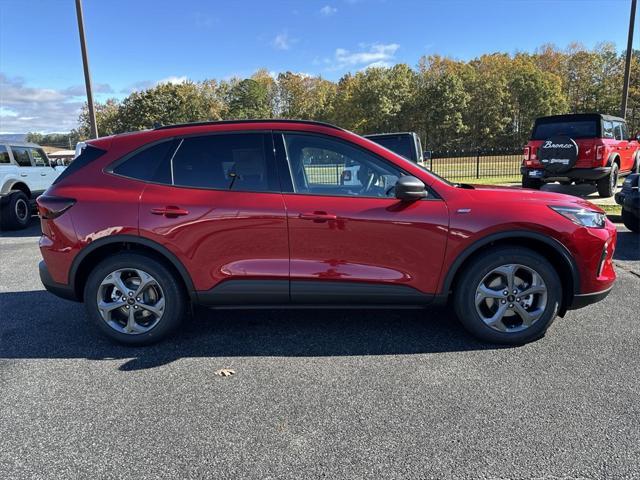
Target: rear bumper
[573,174]
[585,299]
[58,289]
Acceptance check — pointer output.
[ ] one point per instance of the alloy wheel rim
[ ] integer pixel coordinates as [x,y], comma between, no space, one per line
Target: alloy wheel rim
[130,301]
[511,298]
[22,210]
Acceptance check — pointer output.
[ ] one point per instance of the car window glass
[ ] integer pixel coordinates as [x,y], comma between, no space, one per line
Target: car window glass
[227,162]
[4,155]
[150,164]
[21,156]
[607,129]
[625,131]
[39,157]
[617,131]
[324,166]
[573,129]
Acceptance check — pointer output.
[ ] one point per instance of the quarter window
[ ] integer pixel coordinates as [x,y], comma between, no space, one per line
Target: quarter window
[324,166]
[21,156]
[226,162]
[4,155]
[150,164]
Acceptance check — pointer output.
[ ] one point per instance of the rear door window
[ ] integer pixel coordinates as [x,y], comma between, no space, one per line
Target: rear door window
[21,156]
[607,131]
[617,131]
[39,157]
[242,162]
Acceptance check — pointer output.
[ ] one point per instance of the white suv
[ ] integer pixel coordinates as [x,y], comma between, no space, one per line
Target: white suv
[25,172]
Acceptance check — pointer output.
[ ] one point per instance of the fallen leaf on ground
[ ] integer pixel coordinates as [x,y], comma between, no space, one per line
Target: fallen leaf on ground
[225,372]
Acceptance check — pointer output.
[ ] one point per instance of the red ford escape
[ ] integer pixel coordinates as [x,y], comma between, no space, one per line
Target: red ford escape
[257,213]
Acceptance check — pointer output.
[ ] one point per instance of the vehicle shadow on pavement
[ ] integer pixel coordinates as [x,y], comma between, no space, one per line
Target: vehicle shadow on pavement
[33,230]
[628,246]
[36,324]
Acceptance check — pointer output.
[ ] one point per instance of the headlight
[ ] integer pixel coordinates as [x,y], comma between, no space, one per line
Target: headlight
[582,216]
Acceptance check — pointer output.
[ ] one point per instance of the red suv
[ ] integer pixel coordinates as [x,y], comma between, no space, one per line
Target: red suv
[581,148]
[256,213]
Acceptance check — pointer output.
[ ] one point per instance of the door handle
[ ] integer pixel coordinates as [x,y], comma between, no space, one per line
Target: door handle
[24,175]
[318,217]
[42,174]
[170,211]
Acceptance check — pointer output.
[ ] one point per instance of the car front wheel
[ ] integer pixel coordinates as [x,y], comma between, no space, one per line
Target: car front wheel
[508,296]
[16,213]
[134,299]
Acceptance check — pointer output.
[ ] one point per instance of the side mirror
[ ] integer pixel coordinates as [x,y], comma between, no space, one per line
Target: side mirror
[410,189]
[638,136]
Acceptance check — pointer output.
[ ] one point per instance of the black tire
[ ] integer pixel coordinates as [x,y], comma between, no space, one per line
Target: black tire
[16,213]
[175,298]
[533,183]
[475,272]
[607,185]
[630,220]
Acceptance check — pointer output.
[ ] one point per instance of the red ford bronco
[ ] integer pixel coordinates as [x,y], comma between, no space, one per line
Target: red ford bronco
[581,148]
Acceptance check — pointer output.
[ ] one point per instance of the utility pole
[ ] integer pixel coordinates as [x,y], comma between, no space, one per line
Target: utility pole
[627,63]
[87,75]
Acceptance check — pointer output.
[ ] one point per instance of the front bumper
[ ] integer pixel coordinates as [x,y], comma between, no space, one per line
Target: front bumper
[573,174]
[58,289]
[629,200]
[584,299]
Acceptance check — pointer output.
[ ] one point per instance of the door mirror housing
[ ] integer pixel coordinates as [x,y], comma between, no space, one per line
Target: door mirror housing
[638,136]
[410,189]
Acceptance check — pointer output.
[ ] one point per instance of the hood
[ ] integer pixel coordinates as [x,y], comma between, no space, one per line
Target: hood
[497,195]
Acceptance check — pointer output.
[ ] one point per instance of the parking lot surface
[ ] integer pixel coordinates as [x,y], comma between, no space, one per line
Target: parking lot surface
[316,394]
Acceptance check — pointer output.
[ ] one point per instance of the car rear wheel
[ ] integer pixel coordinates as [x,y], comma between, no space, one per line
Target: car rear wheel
[508,296]
[607,185]
[630,220]
[16,213]
[134,299]
[533,183]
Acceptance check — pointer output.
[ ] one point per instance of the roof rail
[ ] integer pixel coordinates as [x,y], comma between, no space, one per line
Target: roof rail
[262,120]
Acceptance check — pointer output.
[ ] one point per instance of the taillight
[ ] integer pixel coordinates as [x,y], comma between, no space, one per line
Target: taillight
[599,152]
[525,154]
[50,207]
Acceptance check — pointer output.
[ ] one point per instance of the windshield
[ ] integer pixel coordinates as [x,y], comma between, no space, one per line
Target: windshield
[573,129]
[400,144]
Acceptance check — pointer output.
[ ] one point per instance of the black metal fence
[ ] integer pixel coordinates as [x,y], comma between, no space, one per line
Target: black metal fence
[476,163]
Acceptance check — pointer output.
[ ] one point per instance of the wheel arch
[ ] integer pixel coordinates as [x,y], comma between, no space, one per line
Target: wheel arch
[16,185]
[100,249]
[614,158]
[550,248]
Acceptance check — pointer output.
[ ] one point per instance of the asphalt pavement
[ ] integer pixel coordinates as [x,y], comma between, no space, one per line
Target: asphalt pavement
[316,394]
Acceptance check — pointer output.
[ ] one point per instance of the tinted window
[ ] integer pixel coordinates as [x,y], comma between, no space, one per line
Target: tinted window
[88,155]
[150,164]
[39,157]
[4,154]
[400,144]
[573,129]
[21,156]
[324,166]
[617,131]
[226,162]
[608,129]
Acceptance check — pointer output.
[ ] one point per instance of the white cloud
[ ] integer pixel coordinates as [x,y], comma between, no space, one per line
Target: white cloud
[174,80]
[28,109]
[374,55]
[282,41]
[328,10]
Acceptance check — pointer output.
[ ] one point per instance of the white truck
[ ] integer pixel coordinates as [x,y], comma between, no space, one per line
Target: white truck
[25,172]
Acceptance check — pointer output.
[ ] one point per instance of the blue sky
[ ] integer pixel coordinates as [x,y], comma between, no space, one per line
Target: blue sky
[134,44]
